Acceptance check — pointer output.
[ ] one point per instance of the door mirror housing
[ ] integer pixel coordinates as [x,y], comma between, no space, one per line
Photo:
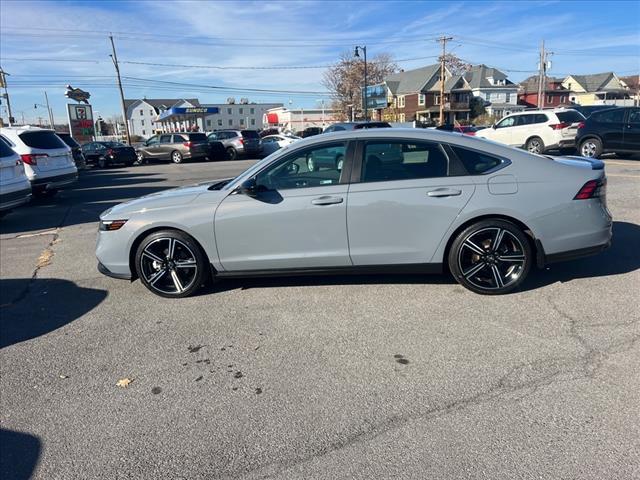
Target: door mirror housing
[249,187]
[493,126]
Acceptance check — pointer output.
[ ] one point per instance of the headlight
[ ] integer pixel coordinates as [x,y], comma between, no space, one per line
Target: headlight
[110,225]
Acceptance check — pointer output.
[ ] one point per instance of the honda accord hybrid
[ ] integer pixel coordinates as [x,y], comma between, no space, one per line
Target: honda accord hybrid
[400,200]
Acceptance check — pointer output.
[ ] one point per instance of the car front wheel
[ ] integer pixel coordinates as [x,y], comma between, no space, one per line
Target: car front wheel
[491,257]
[171,264]
[232,154]
[591,148]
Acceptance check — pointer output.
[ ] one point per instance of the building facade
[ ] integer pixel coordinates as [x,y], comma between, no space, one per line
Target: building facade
[500,95]
[296,120]
[242,115]
[142,113]
[596,89]
[554,93]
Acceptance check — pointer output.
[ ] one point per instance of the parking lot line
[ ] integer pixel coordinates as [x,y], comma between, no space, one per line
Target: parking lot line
[620,175]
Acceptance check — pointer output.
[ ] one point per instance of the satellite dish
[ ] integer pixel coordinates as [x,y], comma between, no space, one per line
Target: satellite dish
[244,101]
[231,100]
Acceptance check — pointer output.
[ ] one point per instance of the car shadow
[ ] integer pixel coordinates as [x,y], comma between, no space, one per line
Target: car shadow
[95,192]
[31,307]
[620,258]
[19,454]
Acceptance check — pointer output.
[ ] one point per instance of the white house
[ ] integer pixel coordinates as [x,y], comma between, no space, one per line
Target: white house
[238,115]
[141,113]
[499,93]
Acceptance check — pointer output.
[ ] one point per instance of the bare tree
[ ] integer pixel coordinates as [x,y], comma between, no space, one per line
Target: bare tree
[345,80]
[455,64]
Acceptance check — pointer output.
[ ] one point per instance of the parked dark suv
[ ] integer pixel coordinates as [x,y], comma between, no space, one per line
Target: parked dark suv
[588,110]
[338,127]
[616,130]
[76,150]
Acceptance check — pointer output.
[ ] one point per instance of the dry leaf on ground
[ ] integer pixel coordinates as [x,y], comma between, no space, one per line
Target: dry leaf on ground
[124,382]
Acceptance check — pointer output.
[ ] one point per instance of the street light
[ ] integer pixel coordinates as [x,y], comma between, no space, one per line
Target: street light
[357,55]
[35,107]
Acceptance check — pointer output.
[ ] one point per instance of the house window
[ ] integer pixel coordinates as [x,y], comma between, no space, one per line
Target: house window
[421,99]
[508,97]
[401,101]
[549,99]
[143,132]
[141,113]
[141,122]
[230,122]
[240,111]
[253,121]
[219,122]
[229,111]
[252,111]
[208,123]
[436,100]
[563,99]
[151,112]
[401,117]
[242,121]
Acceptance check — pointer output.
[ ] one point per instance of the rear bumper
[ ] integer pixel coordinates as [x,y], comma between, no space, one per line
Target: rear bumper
[57,181]
[575,254]
[105,271]
[15,199]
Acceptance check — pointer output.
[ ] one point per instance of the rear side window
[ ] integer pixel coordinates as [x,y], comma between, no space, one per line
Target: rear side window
[634,117]
[250,134]
[42,140]
[403,160]
[475,162]
[197,137]
[5,149]
[570,116]
[609,116]
[165,139]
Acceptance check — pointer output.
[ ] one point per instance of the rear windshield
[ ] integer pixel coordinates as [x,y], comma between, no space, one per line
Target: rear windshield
[69,141]
[113,144]
[42,140]
[5,149]
[198,137]
[372,125]
[570,116]
[250,134]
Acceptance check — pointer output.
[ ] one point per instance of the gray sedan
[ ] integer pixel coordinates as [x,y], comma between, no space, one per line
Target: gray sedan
[419,201]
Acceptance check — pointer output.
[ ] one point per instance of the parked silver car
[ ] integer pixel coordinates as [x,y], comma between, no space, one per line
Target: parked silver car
[15,188]
[400,201]
[238,142]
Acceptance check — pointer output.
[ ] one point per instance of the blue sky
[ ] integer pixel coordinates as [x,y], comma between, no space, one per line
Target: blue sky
[46,45]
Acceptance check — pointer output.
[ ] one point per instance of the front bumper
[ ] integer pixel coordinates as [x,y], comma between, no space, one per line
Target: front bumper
[15,199]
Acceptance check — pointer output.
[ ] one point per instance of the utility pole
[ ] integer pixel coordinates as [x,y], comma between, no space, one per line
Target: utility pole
[3,82]
[114,57]
[364,92]
[542,75]
[46,97]
[443,40]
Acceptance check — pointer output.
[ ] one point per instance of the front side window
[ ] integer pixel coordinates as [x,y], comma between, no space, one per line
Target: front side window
[153,140]
[475,162]
[507,122]
[311,167]
[634,117]
[402,160]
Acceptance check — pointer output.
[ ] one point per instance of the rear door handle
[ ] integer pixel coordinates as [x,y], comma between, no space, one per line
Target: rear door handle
[327,200]
[444,192]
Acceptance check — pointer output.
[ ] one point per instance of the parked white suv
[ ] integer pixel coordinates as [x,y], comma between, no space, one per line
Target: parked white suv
[15,188]
[537,130]
[47,160]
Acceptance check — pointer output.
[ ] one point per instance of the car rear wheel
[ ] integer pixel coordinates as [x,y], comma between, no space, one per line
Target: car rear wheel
[140,158]
[591,148]
[171,264]
[232,153]
[535,145]
[491,257]
[176,156]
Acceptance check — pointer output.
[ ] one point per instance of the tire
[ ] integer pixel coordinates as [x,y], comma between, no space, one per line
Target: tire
[102,162]
[477,266]
[590,148]
[139,158]
[176,156]
[232,154]
[535,145]
[175,275]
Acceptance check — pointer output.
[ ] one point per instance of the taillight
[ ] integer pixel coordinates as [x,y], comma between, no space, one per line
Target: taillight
[241,141]
[32,158]
[592,189]
[111,152]
[559,126]
[581,125]
[188,144]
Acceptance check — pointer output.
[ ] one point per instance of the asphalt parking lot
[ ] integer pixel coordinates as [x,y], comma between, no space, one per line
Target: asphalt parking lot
[329,377]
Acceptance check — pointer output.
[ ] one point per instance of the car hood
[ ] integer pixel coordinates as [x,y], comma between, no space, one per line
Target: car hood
[166,198]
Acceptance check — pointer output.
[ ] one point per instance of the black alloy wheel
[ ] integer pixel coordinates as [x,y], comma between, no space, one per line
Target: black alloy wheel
[491,257]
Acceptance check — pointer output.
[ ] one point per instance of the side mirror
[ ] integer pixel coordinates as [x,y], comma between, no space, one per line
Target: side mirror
[249,187]
[493,126]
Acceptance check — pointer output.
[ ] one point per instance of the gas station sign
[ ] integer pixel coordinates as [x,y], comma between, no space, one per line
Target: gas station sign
[81,123]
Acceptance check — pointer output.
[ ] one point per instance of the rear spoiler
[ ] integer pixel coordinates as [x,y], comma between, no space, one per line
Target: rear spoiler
[583,162]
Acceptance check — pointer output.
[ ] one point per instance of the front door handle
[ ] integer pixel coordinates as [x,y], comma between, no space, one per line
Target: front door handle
[444,192]
[327,200]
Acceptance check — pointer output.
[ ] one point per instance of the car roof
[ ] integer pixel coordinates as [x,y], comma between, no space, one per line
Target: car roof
[26,128]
